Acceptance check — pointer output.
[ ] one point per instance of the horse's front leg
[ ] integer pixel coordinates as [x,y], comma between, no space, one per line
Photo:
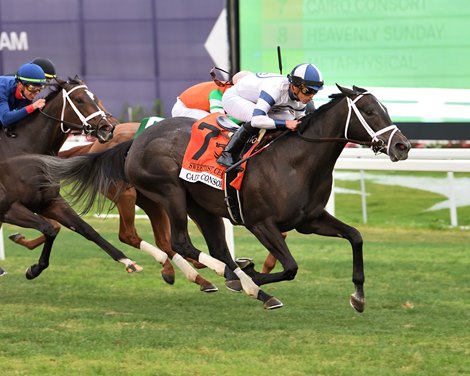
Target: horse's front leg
[270,236]
[327,225]
[21,216]
[31,244]
[61,211]
[35,270]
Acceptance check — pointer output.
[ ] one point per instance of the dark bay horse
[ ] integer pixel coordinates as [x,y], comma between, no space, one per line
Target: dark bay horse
[286,187]
[125,204]
[70,105]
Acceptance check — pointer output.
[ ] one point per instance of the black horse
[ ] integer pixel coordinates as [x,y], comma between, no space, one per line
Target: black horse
[286,187]
[70,105]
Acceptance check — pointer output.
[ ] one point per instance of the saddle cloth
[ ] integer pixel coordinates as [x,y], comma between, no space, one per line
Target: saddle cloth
[207,141]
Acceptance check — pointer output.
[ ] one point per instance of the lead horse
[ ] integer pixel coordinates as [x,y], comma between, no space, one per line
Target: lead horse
[70,105]
[285,188]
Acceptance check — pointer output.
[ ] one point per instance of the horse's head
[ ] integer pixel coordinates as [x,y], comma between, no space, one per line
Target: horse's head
[82,111]
[368,120]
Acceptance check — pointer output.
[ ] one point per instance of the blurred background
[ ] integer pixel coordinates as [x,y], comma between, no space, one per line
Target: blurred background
[138,55]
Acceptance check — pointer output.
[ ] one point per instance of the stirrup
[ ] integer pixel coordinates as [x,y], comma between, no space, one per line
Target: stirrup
[227,124]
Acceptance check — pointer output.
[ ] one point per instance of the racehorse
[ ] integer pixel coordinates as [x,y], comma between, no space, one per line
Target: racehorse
[125,204]
[285,187]
[69,106]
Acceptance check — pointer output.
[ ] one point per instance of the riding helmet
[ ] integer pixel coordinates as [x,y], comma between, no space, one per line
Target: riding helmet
[31,74]
[307,75]
[47,66]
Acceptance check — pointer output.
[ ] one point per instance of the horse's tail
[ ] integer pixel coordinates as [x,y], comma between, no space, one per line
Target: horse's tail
[85,176]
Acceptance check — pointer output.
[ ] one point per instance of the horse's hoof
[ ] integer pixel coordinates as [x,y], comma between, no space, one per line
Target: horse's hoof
[209,287]
[272,303]
[15,237]
[30,274]
[357,303]
[243,262]
[169,278]
[134,268]
[234,285]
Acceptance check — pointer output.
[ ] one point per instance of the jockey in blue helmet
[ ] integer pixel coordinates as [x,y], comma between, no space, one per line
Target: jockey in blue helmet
[306,76]
[17,94]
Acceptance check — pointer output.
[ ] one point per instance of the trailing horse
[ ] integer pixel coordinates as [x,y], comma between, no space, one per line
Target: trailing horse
[125,204]
[286,187]
[24,200]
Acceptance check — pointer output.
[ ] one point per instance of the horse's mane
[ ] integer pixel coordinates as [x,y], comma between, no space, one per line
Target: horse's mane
[55,86]
[334,99]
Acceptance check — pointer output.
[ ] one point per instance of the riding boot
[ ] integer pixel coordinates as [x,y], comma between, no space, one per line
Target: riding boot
[9,132]
[231,153]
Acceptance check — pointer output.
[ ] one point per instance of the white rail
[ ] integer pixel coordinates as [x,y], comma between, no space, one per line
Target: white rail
[362,159]
[438,160]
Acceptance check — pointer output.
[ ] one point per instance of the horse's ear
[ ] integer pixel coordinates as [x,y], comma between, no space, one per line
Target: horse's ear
[59,81]
[359,89]
[345,90]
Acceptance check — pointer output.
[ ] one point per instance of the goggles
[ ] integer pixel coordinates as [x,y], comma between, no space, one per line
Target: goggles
[216,80]
[33,88]
[307,91]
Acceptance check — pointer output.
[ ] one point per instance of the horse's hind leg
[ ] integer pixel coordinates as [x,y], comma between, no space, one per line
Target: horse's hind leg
[213,230]
[61,211]
[128,233]
[162,233]
[327,225]
[21,216]
[31,244]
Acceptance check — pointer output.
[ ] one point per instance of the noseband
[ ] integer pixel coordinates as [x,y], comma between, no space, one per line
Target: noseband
[378,145]
[86,128]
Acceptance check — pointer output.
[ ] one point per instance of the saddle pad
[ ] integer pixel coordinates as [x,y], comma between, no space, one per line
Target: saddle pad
[200,159]
[147,122]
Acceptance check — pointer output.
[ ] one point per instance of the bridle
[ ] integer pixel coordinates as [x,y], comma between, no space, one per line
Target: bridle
[86,128]
[378,145]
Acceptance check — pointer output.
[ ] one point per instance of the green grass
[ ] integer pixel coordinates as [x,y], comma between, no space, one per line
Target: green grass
[86,316]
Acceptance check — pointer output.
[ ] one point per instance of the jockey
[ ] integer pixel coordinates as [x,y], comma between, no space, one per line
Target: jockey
[204,98]
[17,94]
[268,101]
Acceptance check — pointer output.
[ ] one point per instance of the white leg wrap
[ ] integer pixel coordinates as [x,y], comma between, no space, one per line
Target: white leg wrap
[185,267]
[153,251]
[127,262]
[212,263]
[248,285]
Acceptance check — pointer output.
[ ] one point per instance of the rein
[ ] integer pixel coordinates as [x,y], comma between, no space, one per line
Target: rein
[376,144]
[86,128]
